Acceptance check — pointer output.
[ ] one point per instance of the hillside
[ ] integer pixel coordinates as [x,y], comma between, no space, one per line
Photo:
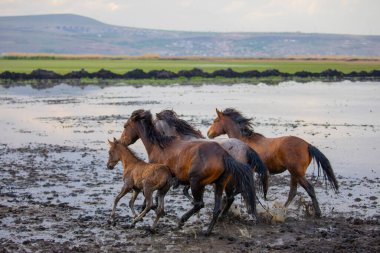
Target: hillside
[73,34]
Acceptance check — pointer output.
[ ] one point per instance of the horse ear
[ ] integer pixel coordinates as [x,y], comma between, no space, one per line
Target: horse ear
[219,113]
[109,142]
[115,140]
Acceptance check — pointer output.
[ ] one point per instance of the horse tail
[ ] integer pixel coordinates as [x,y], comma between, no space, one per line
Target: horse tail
[324,163]
[242,176]
[255,162]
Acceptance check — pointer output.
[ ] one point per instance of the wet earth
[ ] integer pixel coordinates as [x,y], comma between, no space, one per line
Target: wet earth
[56,193]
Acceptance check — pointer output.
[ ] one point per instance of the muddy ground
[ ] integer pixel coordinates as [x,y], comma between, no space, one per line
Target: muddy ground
[56,193]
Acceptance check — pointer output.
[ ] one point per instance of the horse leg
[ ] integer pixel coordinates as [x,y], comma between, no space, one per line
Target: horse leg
[132,202]
[122,193]
[160,211]
[310,190]
[217,207]
[186,193]
[197,191]
[293,190]
[149,203]
[230,193]
[265,182]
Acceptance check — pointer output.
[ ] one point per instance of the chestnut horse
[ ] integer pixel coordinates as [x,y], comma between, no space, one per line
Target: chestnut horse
[279,154]
[196,163]
[139,175]
[168,123]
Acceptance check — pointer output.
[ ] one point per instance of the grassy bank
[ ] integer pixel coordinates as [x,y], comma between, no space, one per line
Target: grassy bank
[122,65]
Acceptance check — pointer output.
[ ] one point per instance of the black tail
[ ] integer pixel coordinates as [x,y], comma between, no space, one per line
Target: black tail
[244,182]
[257,164]
[324,163]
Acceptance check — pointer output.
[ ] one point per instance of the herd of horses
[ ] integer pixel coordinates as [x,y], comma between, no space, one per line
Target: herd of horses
[180,155]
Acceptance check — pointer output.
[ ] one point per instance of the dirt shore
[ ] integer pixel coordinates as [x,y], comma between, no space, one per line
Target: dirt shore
[50,219]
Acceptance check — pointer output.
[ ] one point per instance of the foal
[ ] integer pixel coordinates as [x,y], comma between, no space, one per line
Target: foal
[139,175]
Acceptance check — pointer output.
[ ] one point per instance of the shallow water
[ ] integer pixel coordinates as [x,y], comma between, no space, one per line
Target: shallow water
[342,119]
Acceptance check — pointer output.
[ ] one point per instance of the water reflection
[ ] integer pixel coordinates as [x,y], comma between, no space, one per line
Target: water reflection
[340,118]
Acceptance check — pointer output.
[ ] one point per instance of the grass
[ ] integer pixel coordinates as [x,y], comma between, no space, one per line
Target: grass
[122,65]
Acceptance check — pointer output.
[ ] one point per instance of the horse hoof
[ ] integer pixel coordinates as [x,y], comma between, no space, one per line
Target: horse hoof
[180,224]
[136,220]
[111,222]
[223,216]
[151,230]
[130,225]
[206,233]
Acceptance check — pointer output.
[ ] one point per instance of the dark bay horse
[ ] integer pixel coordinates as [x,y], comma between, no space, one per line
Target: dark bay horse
[279,154]
[139,175]
[168,123]
[196,163]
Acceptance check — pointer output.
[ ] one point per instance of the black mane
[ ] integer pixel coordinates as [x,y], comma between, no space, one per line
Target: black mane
[153,135]
[181,126]
[245,124]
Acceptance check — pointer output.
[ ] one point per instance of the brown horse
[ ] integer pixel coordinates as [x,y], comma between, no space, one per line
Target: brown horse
[279,154]
[139,175]
[168,123]
[196,163]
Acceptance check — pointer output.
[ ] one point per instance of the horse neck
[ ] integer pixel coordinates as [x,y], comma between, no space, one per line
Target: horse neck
[255,137]
[233,131]
[187,137]
[149,145]
[128,159]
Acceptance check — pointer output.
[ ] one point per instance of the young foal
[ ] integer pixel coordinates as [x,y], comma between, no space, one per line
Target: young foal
[139,175]
[279,154]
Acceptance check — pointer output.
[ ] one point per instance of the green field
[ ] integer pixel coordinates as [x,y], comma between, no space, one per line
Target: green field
[120,66]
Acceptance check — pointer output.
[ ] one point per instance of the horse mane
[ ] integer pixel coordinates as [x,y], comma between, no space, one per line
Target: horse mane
[245,124]
[181,126]
[153,135]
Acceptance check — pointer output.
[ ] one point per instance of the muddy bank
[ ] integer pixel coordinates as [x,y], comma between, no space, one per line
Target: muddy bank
[138,74]
[58,198]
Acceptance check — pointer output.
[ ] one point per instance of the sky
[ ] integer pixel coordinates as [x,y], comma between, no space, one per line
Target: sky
[308,16]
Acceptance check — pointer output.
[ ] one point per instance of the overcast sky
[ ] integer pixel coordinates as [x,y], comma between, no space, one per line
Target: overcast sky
[311,16]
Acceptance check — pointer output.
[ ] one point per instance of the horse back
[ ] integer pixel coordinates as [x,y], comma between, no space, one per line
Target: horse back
[281,153]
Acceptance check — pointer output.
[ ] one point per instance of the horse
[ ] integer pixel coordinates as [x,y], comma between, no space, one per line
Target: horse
[139,175]
[279,154]
[168,123]
[196,163]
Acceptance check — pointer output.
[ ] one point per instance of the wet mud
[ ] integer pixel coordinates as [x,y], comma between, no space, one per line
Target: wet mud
[56,193]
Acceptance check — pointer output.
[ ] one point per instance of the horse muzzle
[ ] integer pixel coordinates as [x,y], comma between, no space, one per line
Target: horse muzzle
[210,135]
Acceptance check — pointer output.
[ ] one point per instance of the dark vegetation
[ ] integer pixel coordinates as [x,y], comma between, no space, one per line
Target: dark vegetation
[328,74]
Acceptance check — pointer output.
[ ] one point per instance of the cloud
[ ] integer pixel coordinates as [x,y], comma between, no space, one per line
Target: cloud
[313,8]
[234,6]
[113,6]
[57,2]
[185,3]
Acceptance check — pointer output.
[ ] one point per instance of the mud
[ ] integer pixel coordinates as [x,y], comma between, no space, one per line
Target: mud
[56,193]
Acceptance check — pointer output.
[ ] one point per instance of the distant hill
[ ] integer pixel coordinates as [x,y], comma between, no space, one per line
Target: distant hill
[73,34]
